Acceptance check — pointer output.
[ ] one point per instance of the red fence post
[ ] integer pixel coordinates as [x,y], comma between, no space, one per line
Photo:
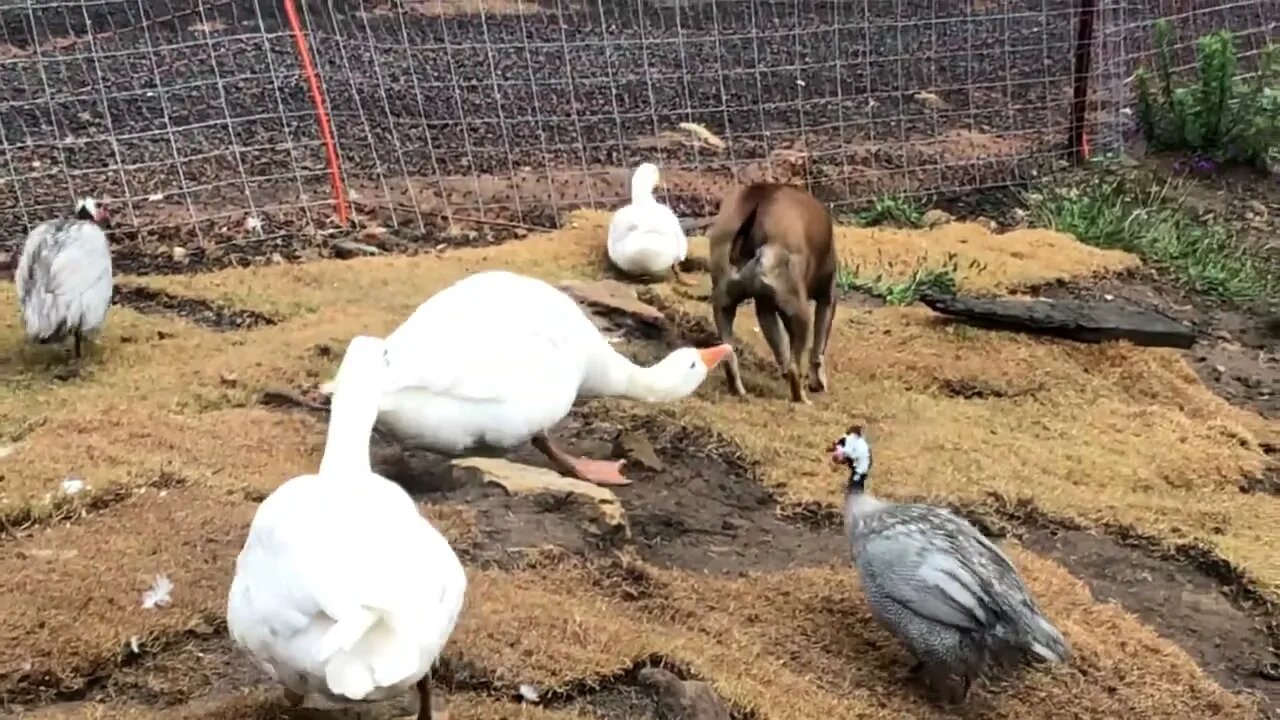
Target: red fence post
[322,112]
[1078,142]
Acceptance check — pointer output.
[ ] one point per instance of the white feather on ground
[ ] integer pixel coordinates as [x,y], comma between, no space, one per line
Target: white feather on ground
[64,280]
[159,595]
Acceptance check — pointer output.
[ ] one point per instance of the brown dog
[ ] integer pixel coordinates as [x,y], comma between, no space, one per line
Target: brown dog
[772,243]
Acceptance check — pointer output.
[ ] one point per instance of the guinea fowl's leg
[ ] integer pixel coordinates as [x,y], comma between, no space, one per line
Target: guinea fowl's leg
[77,338]
[424,697]
[600,472]
[966,684]
[294,699]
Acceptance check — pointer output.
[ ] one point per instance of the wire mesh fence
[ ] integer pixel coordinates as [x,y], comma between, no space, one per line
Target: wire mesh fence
[469,120]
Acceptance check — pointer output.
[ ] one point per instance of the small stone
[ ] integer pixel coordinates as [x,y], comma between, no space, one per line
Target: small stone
[347,249]
[987,223]
[935,217]
[179,253]
[229,378]
[613,295]
[637,448]
[1108,297]
[373,234]
[683,699]
[276,258]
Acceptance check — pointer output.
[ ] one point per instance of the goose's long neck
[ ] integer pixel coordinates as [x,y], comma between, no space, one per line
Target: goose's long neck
[641,189]
[352,414]
[612,374]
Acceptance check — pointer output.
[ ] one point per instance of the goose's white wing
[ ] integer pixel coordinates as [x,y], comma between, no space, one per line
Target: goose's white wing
[492,336]
[625,221]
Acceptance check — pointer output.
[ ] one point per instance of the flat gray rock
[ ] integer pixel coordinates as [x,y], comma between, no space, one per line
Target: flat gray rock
[1091,322]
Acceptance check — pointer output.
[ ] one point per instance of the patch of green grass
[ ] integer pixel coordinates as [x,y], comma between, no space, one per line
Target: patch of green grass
[1223,116]
[897,210]
[1147,219]
[925,278]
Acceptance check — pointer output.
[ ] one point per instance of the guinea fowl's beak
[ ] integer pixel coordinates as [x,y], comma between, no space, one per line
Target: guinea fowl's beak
[713,355]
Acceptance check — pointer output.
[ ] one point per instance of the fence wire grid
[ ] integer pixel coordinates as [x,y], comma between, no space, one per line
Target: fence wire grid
[192,119]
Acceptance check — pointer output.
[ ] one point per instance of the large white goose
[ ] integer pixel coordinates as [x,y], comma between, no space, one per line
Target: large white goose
[645,237]
[496,359]
[344,591]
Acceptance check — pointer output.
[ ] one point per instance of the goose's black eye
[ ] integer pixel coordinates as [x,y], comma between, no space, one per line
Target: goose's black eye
[693,365]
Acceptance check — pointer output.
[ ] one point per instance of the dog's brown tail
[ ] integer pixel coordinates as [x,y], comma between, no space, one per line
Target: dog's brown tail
[743,219]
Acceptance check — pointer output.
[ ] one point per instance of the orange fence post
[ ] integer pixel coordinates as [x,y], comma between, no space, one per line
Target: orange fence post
[322,112]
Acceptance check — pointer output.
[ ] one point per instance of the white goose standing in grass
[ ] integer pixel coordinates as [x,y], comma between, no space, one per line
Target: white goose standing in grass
[645,237]
[496,359]
[63,277]
[936,583]
[343,590]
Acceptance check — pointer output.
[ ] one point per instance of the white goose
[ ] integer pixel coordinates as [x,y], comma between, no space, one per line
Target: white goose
[645,237]
[496,359]
[343,590]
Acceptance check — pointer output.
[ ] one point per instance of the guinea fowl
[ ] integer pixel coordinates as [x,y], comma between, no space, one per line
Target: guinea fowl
[937,584]
[63,277]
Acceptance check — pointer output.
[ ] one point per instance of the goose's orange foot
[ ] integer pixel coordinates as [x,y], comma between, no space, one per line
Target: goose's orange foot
[600,472]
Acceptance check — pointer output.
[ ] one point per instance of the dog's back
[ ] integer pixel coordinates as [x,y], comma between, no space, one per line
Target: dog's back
[783,217]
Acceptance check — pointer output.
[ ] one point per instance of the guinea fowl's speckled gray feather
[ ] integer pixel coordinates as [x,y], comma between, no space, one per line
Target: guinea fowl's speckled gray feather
[946,591]
[64,279]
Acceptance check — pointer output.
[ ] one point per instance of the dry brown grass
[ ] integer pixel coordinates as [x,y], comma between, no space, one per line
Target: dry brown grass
[988,262]
[801,644]
[1097,432]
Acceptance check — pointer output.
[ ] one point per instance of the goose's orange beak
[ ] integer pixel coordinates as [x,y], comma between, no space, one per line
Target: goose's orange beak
[713,355]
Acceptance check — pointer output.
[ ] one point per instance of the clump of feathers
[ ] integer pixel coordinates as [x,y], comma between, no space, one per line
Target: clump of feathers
[941,587]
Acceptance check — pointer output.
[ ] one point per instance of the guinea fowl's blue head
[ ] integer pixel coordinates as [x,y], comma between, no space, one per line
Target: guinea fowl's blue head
[854,451]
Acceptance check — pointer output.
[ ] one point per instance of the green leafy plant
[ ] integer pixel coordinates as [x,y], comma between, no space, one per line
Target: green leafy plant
[1149,221]
[1222,116]
[896,210]
[924,279]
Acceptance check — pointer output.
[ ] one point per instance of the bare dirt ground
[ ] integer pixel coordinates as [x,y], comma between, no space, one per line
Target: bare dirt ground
[723,563]
[464,122]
